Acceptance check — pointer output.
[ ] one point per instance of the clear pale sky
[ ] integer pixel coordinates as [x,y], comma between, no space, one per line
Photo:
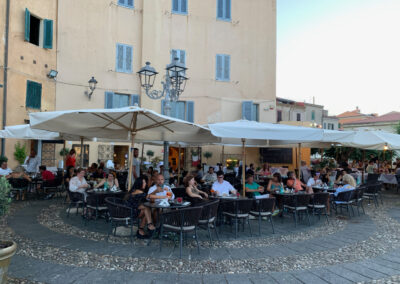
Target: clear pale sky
[345,53]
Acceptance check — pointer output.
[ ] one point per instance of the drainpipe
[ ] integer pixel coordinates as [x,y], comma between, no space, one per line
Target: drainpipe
[5,69]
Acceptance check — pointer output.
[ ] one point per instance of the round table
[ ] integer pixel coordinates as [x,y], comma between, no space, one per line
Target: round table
[171,205]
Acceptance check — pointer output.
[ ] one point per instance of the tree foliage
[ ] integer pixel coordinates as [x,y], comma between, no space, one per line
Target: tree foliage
[20,152]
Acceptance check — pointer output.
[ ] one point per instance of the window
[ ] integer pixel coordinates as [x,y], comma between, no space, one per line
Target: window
[181,109]
[298,117]
[33,95]
[37,31]
[331,126]
[223,67]
[117,100]
[250,111]
[324,125]
[313,115]
[224,10]
[279,116]
[126,3]
[179,6]
[124,57]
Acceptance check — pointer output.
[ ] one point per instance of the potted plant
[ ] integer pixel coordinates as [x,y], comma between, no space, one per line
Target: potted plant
[7,248]
[207,155]
[20,153]
[150,154]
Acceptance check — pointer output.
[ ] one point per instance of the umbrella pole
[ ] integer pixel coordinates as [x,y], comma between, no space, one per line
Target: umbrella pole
[133,134]
[243,166]
[222,155]
[81,164]
[179,164]
[299,160]
[363,168]
[141,160]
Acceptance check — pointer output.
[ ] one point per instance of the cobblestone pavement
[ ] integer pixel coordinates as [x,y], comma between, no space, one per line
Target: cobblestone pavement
[55,249]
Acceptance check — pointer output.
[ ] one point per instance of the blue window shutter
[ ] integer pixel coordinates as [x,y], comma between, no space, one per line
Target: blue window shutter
[27,24]
[220,9]
[227,9]
[135,99]
[227,67]
[182,57]
[122,2]
[218,67]
[48,34]
[119,62]
[128,58]
[247,110]
[174,54]
[175,5]
[190,111]
[162,107]
[130,3]
[183,6]
[109,99]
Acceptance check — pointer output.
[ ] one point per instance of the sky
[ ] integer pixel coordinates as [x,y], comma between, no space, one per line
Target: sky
[345,53]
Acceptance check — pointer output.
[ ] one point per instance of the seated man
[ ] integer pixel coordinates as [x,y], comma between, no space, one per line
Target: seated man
[159,190]
[313,181]
[251,186]
[48,179]
[221,187]
[210,176]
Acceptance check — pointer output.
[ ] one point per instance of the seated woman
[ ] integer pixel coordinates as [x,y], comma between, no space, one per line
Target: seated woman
[135,199]
[275,183]
[348,184]
[18,174]
[109,183]
[252,187]
[265,171]
[294,183]
[195,195]
[78,183]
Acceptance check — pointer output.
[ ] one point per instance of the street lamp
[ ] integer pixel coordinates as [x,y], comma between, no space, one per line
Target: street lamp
[92,86]
[173,87]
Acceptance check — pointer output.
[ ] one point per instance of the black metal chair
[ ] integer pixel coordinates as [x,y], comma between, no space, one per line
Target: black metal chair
[76,199]
[208,218]
[53,186]
[319,203]
[238,210]
[263,208]
[120,215]
[179,192]
[296,204]
[398,182]
[358,198]
[372,178]
[181,221]
[19,186]
[96,203]
[344,199]
[373,192]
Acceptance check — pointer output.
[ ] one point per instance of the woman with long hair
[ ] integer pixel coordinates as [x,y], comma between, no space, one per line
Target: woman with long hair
[195,195]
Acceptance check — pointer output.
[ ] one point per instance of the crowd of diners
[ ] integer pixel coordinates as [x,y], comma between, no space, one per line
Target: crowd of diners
[150,185]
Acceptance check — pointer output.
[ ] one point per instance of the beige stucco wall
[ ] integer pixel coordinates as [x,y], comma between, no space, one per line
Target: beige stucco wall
[26,62]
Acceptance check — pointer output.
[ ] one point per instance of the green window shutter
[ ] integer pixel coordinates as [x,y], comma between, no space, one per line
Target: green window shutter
[27,24]
[109,99]
[48,34]
[190,111]
[33,95]
[135,99]
[247,107]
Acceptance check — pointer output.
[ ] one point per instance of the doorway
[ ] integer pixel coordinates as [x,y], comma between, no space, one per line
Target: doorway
[121,156]
[173,157]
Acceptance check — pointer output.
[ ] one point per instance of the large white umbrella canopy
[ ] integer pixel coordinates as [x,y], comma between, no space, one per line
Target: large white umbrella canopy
[372,140]
[24,131]
[131,123]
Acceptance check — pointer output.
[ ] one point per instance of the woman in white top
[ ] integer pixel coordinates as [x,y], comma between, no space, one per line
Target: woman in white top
[78,183]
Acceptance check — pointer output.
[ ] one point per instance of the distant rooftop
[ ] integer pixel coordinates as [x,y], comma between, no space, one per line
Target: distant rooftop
[393,116]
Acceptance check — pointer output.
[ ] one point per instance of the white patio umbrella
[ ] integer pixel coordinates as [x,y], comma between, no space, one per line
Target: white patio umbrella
[372,140]
[132,124]
[24,131]
[252,133]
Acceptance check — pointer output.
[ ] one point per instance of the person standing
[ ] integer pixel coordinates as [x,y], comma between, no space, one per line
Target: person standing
[71,159]
[32,162]
[135,165]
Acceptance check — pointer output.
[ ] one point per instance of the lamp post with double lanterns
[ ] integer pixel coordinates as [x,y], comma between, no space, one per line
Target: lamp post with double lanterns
[172,88]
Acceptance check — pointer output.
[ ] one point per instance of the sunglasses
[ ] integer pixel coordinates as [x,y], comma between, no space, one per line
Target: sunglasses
[221,177]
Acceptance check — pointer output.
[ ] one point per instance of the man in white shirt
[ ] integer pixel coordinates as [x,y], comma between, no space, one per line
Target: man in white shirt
[313,181]
[159,190]
[32,162]
[4,170]
[221,186]
[210,176]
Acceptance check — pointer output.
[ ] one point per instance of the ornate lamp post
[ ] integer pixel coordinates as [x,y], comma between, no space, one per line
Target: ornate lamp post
[172,88]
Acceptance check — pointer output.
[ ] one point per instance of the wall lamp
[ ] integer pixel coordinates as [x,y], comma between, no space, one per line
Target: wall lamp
[92,86]
[52,74]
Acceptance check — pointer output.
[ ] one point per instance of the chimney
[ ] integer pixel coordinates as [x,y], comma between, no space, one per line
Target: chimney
[313,100]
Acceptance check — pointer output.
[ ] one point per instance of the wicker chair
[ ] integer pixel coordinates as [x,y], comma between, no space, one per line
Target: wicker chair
[344,199]
[76,199]
[296,204]
[239,210]
[181,221]
[53,186]
[263,208]
[120,215]
[319,203]
[208,218]
[19,186]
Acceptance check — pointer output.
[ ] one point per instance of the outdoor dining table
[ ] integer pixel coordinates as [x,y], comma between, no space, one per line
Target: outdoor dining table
[388,179]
